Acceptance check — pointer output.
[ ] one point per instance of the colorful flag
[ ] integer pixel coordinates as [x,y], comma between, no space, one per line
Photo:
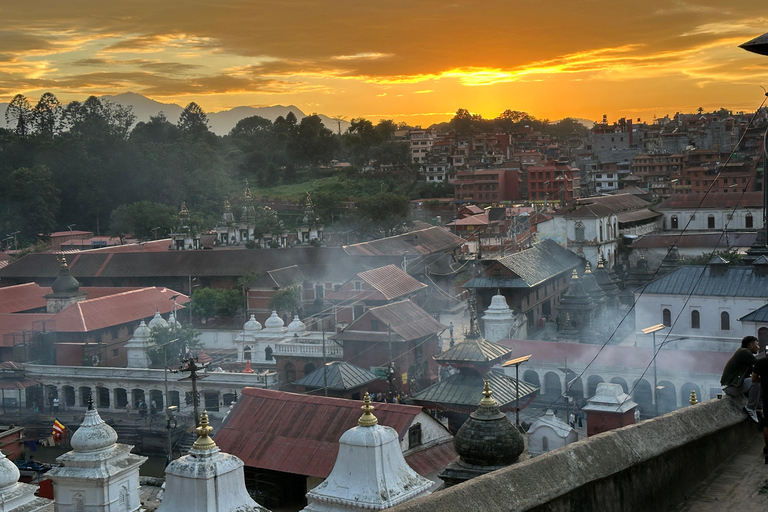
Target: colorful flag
[58,429]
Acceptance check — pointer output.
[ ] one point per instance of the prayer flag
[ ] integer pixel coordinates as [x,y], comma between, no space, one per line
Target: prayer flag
[58,429]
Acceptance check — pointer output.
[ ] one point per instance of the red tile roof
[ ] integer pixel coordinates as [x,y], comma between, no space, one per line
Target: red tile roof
[298,434]
[24,297]
[407,320]
[391,281]
[117,309]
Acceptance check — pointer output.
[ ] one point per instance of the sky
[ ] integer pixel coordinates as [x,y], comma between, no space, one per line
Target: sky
[415,61]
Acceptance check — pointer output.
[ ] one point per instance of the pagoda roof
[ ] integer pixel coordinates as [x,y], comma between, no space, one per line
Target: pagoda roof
[463,391]
[475,351]
[339,375]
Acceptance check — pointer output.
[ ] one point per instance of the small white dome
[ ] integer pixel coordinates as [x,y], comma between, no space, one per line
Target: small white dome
[252,325]
[157,321]
[9,473]
[142,332]
[173,322]
[93,434]
[274,322]
[296,325]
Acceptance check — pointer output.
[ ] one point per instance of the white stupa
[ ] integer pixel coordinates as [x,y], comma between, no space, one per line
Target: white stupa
[274,323]
[157,321]
[370,472]
[14,495]
[498,319]
[206,480]
[296,326]
[136,348]
[99,474]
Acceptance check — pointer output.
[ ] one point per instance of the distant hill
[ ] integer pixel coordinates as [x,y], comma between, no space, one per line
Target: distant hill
[220,122]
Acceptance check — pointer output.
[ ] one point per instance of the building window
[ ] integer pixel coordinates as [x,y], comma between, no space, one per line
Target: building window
[725,321]
[711,222]
[357,285]
[748,221]
[545,444]
[666,318]
[673,221]
[268,353]
[414,436]
[695,320]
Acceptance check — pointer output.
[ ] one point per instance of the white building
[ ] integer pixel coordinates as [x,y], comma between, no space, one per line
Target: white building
[99,474]
[703,304]
[421,144]
[712,212]
[549,433]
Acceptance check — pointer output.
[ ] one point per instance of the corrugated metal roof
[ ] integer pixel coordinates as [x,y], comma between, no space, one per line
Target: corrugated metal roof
[406,319]
[702,281]
[465,390]
[391,281]
[637,215]
[716,200]
[758,315]
[495,282]
[298,434]
[423,241]
[339,375]
[22,297]
[544,260]
[478,351]
[430,459]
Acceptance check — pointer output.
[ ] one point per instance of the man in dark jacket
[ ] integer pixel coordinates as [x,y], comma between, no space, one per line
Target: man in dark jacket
[737,375]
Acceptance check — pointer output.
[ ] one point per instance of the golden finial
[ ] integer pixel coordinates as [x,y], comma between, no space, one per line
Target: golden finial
[588,268]
[574,275]
[226,203]
[204,441]
[247,193]
[600,262]
[367,419]
[693,400]
[184,212]
[487,400]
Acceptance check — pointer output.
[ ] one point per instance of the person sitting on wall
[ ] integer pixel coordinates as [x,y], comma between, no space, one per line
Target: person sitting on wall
[760,374]
[737,375]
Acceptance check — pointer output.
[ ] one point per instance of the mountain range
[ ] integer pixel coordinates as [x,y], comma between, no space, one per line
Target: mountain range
[219,122]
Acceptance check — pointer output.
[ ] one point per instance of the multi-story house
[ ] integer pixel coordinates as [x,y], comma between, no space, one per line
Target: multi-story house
[487,185]
[421,143]
[554,182]
[712,212]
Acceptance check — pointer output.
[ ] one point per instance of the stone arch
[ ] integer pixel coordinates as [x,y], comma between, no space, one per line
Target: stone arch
[685,393]
[155,395]
[246,353]
[137,395]
[544,444]
[552,384]
[666,395]
[69,395]
[531,377]
[621,382]
[592,383]
[290,372]
[666,317]
[576,390]
[102,397]
[642,395]
[725,321]
[121,397]
[85,393]
[762,337]
[268,353]
[124,500]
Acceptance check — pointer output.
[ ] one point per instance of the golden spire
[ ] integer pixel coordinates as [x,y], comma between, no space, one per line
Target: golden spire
[487,400]
[204,442]
[600,262]
[367,419]
[226,202]
[693,400]
[247,194]
[588,268]
[574,275]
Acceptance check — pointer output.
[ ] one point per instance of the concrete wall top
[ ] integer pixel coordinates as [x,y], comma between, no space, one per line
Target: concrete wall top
[547,478]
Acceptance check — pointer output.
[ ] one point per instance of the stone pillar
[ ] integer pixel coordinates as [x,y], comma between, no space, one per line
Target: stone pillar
[76,389]
[112,402]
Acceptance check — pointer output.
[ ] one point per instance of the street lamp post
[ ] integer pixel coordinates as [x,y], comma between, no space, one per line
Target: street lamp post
[516,363]
[653,330]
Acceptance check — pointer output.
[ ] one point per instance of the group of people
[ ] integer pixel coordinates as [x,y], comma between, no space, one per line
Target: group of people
[745,374]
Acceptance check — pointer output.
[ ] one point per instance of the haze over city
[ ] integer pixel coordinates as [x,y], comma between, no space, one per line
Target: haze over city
[415,62]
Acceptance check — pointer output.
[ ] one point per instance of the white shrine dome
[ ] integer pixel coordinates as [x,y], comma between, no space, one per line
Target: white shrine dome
[274,322]
[94,434]
[498,310]
[142,331]
[296,325]
[172,322]
[9,473]
[252,325]
[157,321]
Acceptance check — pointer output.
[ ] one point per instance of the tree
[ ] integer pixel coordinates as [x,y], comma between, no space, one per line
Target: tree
[288,299]
[171,344]
[204,303]
[18,115]
[142,219]
[45,115]
[29,202]
[193,120]
[382,215]
[314,144]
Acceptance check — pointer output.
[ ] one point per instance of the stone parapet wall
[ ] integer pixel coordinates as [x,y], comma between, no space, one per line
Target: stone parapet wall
[646,466]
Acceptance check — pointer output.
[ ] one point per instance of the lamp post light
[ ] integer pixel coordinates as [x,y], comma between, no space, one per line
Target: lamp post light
[516,363]
[653,330]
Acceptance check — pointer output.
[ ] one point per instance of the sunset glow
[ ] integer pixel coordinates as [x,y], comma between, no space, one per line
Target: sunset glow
[416,62]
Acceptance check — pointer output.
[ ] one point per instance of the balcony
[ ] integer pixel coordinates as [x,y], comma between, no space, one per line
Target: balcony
[332,350]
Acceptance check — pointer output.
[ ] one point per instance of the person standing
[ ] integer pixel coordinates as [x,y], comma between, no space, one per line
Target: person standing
[760,375]
[55,405]
[737,375]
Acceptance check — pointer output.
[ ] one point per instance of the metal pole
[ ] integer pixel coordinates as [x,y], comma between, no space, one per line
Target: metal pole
[517,396]
[391,370]
[655,384]
[325,368]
